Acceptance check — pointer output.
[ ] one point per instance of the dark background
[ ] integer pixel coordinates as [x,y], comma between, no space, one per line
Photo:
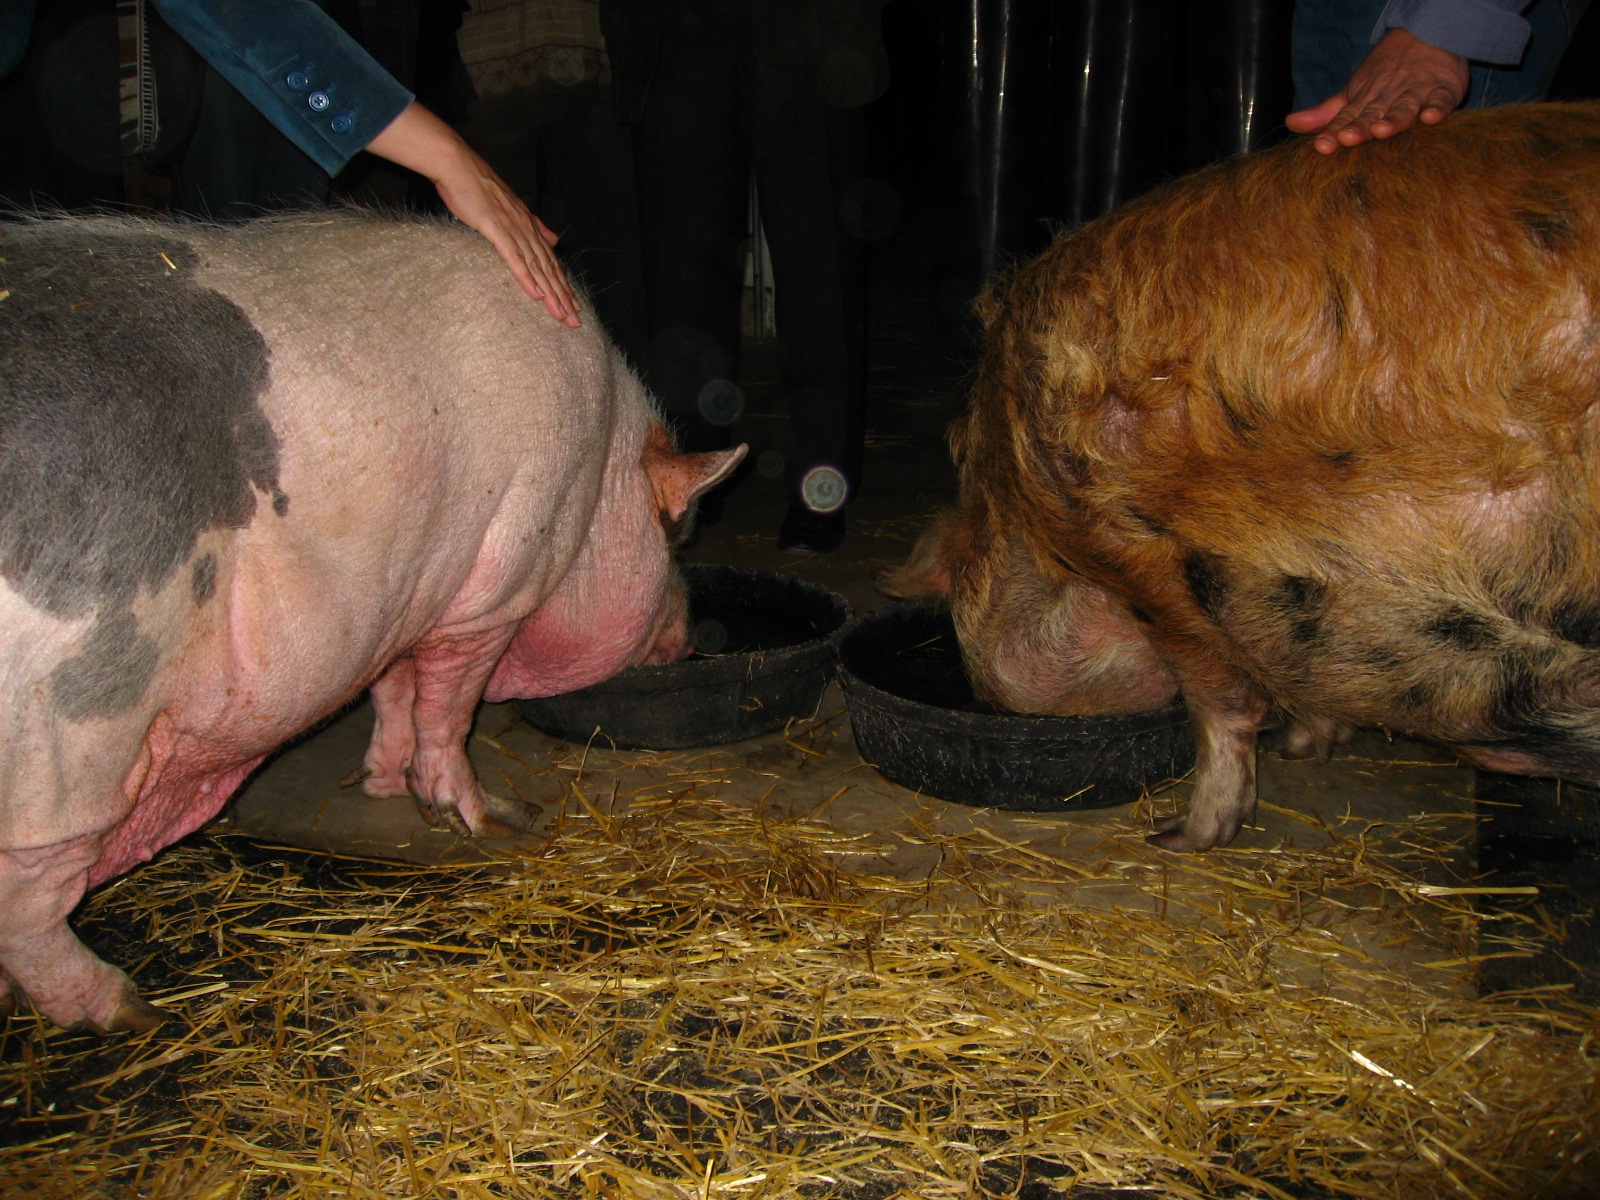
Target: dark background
[1004,120]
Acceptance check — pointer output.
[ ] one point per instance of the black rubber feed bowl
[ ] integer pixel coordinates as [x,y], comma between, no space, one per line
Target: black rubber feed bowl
[765,654]
[916,720]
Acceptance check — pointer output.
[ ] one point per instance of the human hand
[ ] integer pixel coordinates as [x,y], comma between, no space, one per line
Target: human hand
[1402,80]
[480,199]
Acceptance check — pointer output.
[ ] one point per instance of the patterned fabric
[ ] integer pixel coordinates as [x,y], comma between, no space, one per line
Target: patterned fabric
[139,111]
[509,45]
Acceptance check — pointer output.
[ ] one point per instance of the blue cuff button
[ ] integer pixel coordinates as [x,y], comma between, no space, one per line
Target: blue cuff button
[318,101]
[298,81]
[343,123]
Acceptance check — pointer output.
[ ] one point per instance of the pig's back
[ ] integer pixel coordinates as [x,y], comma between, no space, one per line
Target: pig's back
[1415,320]
[1345,406]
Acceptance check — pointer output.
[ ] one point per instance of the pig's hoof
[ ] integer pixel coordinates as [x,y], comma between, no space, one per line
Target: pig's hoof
[426,808]
[446,813]
[8,1004]
[359,775]
[503,818]
[1179,833]
[134,1016]
[131,1015]
[457,823]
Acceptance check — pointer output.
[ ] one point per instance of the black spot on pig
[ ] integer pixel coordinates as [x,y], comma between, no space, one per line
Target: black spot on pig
[1462,630]
[203,582]
[1545,146]
[1147,523]
[1241,425]
[1558,557]
[1300,600]
[1203,572]
[1300,593]
[1550,229]
[1577,622]
[1358,189]
[280,503]
[130,420]
[109,673]
[1337,307]
[130,423]
[1420,696]
[1074,471]
[1520,703]
[1530,713]
[1062,562]
[1379,658]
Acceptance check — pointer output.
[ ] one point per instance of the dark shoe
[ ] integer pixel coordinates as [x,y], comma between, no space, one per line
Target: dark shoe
[806,532]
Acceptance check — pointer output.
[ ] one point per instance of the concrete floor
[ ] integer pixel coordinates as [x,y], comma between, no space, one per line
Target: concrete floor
[915,387]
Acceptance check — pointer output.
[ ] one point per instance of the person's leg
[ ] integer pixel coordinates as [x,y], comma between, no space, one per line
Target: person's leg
[587,194]
[693,171]
[1328,40]
[794,170]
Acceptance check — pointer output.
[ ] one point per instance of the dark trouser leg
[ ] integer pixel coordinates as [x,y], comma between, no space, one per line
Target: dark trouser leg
[563,151]
[1545,834]
[795,180]
[1329,38]
[587,194]
[693,184]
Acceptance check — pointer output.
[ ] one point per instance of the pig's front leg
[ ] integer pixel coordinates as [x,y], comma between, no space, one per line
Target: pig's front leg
[1225,724]
[394,736]
[450,673]
[43,960]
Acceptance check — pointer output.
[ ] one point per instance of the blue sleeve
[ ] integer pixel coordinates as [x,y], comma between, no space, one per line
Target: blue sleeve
[292,61]
[1483,30]
[16,22]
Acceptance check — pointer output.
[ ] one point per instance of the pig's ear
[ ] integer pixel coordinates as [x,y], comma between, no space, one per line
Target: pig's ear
[681,479]
[927,574]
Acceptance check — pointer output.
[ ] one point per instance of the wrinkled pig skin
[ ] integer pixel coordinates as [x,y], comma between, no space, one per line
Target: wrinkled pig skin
[246,474]
[1305,438]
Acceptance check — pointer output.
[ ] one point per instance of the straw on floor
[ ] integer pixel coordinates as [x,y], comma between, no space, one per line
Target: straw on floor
[677,996]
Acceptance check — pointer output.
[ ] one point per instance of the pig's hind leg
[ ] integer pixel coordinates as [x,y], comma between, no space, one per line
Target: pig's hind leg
[449,674]
[43,960]
[394,737]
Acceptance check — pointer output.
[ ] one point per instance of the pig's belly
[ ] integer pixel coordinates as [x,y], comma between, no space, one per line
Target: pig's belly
[306,630]
[222,724]
[184,799]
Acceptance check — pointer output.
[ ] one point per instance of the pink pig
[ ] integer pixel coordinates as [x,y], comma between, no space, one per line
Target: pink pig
[246,473]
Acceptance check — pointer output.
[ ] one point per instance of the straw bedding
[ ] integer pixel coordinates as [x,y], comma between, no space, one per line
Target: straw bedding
[680,997]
